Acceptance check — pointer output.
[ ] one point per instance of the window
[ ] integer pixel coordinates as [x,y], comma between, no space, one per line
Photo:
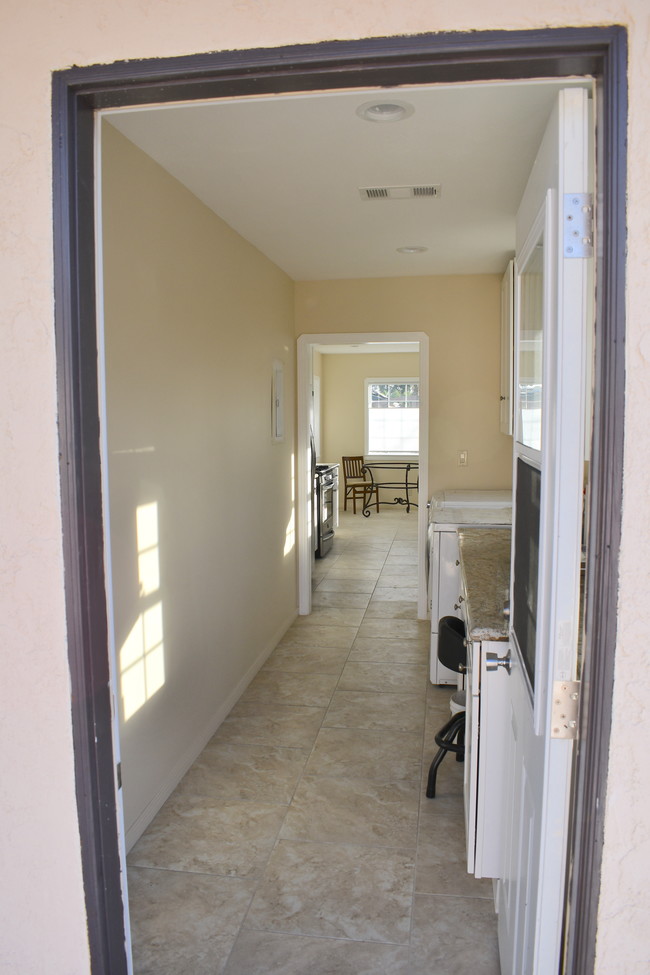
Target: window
[392,417]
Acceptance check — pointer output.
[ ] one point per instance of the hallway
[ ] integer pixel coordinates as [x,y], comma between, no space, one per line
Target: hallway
[301,840]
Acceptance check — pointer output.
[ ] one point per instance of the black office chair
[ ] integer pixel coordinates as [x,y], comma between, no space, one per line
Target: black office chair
[452,652]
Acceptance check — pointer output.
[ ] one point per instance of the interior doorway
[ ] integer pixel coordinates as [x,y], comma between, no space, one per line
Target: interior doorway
[306,345]
[82,495]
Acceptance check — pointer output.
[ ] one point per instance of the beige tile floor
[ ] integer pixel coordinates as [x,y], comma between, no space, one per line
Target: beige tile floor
[301,840]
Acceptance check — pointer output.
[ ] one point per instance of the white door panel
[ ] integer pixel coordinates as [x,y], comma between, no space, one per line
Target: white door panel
[550,358]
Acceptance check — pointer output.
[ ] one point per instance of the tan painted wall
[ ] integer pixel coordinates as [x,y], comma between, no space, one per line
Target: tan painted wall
[195,317]
[42,899]
[344,397]
[461,317]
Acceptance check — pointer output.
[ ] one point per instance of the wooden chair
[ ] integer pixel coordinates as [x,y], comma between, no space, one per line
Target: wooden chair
[356,484]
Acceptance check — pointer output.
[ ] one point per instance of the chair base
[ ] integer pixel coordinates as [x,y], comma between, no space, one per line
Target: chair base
[362,492]
[450,738]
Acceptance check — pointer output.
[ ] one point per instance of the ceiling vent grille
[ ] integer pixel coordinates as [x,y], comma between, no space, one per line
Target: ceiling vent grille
[426,192]
[375,193]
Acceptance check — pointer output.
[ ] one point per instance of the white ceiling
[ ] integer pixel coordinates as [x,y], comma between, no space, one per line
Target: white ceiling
[285,173]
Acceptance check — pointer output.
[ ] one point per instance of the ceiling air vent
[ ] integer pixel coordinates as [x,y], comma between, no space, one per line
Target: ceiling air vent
[426,191]
[375,193]
[429,192]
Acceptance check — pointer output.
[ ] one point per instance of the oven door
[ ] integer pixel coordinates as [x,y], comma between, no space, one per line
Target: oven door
[325,508]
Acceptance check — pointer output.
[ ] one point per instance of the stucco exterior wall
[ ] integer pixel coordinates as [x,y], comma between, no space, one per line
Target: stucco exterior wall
[42,899]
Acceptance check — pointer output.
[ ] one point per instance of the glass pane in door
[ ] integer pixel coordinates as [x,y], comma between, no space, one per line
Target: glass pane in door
[530,345]
[526,563]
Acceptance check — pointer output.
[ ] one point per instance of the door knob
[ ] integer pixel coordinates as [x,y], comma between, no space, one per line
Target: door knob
[493,662]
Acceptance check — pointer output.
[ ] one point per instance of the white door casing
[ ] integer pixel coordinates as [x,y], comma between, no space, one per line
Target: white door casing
[531,891]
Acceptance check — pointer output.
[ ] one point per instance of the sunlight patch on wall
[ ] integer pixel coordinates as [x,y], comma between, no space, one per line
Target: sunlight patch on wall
[290,540]
[142,657]
[290,535]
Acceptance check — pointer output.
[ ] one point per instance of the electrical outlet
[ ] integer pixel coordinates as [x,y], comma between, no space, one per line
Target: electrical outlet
[462,458]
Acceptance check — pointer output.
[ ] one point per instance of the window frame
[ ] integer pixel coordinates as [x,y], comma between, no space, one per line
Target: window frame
[390,380]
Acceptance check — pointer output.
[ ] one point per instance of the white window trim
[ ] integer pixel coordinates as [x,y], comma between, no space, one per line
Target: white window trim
[384,379]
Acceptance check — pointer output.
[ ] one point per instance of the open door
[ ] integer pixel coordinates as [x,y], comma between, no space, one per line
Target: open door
[553,277]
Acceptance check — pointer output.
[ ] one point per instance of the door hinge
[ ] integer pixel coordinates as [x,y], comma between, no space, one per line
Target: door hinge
[118,774]
[564,713]
[578,220]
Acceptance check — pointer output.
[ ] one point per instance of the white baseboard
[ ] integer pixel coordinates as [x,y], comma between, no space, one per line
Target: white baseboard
[179,768]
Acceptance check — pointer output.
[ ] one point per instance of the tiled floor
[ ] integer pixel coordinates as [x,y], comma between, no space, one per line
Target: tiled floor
[301,840]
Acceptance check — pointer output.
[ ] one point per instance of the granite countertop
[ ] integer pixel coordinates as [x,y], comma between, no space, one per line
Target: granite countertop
[485,570]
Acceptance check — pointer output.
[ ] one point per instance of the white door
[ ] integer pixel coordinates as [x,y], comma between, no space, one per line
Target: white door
[552,284]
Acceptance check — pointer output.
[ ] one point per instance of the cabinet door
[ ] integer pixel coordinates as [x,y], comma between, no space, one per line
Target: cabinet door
[470,785]
[492,760]
[434,577]
[445,597]
[449,586]
[485,766]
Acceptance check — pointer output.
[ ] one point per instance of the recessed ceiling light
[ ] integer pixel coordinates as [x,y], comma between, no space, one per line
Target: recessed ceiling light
[412,249]
[385,111]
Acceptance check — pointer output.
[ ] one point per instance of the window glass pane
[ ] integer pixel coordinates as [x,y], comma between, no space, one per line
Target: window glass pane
[393,431]
[525,578]
[531,322]
[379,395]
[393,418]
[413,394]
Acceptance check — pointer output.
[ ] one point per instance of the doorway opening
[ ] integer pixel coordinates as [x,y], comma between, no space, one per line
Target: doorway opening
[306,346]
[77,95]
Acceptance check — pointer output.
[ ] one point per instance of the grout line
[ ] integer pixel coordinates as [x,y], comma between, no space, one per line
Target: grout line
[295,789]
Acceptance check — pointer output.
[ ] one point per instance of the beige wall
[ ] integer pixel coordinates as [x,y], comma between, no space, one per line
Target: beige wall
[195,317]
[44,926]
[460,315]
[343,397]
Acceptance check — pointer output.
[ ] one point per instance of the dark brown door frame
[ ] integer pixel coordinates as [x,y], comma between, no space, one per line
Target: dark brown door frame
[424,59]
